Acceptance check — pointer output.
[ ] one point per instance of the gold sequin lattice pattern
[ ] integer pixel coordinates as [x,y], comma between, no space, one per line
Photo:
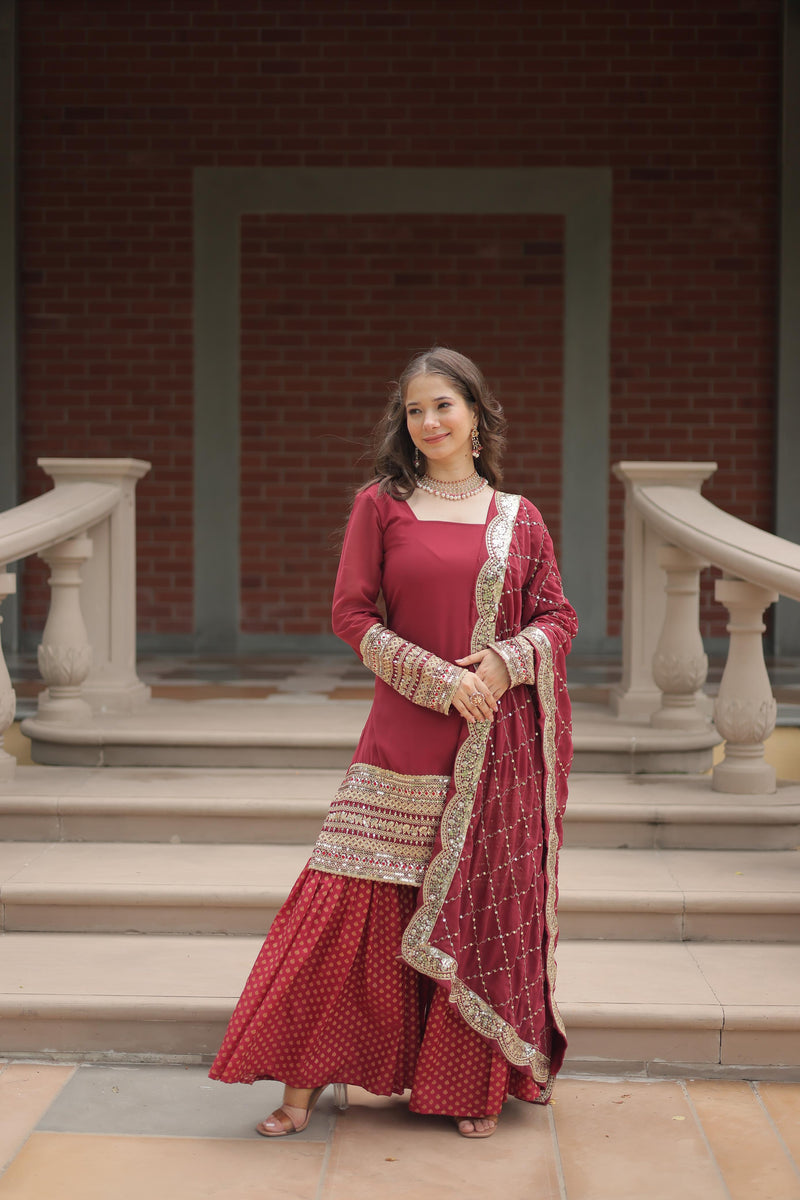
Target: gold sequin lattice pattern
[381,825]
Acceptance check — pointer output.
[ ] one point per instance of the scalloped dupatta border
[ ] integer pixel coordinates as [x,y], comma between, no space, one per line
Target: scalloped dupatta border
[417,949]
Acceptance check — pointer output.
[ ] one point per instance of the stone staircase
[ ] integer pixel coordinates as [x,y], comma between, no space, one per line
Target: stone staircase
[301,730]
[133,902]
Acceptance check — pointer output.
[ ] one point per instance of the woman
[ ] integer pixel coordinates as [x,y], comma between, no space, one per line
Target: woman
[382,970]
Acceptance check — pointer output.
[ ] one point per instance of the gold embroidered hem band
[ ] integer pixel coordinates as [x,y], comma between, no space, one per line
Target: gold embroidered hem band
[381,825]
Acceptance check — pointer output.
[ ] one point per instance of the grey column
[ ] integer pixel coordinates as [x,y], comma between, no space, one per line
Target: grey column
[216,419]
[9,355]
[787,432]
[585,471]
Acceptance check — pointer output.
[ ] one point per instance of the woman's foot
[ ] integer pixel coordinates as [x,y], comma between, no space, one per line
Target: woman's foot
[295,1112]
[476,1127]
[293,1115]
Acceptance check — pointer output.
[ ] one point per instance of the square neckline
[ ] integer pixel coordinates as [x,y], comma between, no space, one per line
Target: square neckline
[467,524]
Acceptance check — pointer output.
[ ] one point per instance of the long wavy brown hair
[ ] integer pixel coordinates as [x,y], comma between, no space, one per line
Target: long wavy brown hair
[394,450]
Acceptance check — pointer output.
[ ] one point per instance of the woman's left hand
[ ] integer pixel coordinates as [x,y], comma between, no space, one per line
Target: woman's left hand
[490,668]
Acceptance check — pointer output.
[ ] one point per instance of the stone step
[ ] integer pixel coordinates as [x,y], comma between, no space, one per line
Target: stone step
[171,804]
[301,730]
[678,812]
[649,1008]
[640,895]
[167,804]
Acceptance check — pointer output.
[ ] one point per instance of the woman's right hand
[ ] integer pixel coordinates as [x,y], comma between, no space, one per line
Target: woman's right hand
[473,699]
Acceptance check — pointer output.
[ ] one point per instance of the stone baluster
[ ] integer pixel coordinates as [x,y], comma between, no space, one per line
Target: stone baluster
[680,664]
[65,656]
[8,700]
[745,709]
[108,583]
[636,696]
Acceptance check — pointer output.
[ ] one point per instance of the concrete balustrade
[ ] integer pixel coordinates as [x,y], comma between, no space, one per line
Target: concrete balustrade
[84,671]
[745,708]
[680,664]
[95,710]
[637,696]
[663,503]
[65,656]
[108,581]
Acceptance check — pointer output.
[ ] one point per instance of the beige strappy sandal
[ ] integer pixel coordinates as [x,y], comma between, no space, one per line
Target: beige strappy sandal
[287,1122]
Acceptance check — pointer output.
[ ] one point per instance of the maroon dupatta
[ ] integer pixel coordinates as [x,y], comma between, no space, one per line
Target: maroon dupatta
[486,925]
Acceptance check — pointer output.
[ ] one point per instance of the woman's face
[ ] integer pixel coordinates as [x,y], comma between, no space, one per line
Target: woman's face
[440,422]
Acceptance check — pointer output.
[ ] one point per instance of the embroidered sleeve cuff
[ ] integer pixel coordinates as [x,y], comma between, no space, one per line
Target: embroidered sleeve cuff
[517,654]
[413,672]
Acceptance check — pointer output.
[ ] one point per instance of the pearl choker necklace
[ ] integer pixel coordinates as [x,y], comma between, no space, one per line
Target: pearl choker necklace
[456,489]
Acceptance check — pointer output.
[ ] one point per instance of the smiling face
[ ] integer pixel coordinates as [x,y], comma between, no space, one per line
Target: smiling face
[440,422]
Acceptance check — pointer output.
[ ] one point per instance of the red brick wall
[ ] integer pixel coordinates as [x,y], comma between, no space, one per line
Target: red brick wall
[331,307]
[119,101]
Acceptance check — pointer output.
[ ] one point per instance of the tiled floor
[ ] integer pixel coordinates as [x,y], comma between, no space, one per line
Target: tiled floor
[92,1132]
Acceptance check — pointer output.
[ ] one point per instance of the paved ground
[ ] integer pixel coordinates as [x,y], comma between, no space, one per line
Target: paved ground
[91,1132]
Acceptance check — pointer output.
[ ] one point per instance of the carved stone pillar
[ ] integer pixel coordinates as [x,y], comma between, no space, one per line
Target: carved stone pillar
[65,656]
[680,664]
[636,696]
[8,700]
[745,709]
[108,583]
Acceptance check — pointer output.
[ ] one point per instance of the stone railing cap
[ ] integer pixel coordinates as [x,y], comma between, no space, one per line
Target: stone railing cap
[686,519]
[686,474]
[59,514]
[82,468]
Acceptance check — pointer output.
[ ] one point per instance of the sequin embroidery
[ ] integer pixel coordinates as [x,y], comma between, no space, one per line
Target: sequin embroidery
[417,948]
[381,825]
[547,699]
[415,673]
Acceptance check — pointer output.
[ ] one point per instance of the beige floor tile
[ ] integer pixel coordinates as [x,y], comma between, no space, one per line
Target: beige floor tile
[748,1152]
[782,1101]
[26,1092]
[65,1166]
[381,1149]
[628,1141]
